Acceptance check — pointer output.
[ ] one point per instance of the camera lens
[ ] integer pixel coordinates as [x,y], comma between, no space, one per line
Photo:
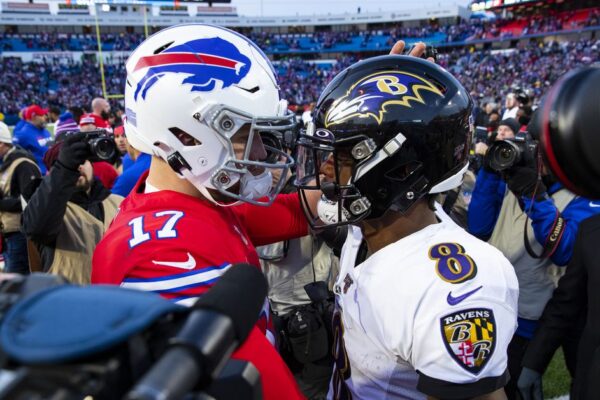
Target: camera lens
[103,148]
[503,155]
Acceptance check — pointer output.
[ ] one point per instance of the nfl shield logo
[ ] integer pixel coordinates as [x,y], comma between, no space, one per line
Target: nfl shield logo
[470,337]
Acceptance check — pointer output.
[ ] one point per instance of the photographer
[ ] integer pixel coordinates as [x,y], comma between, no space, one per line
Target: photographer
[69,212]
[18,169]
[499,216]
[301,321]
[571,122]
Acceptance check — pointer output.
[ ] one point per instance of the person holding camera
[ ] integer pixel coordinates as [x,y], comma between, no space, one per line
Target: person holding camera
[103,169]
[141,163]
[69,211]
[299,273]
[570,117]
[519,208]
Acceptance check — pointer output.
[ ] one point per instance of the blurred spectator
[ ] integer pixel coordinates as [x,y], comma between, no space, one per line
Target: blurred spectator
[483,117]
[127,180]
[87,123]
[33,135]
[53,114]
[101,113]
[510,107]
[500,212]
[65,123]
[19,125]
[120,139]
[76,112]
[18,170]
[68,212]
[121,144]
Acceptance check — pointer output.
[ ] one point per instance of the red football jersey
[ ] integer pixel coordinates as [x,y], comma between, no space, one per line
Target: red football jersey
[178,245]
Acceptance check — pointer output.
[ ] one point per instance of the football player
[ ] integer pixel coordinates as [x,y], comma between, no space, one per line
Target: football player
[423,309]
[197,99]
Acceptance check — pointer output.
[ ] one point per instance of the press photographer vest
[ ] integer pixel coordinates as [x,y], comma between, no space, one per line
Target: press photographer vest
[78,236]
[534,275]
[11,221]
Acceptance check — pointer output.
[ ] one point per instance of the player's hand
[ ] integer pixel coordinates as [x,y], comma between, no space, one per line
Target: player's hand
[530,385]
[74,151]
[417,51]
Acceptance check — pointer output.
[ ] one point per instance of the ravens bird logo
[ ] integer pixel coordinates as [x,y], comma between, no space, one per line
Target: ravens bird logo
[370,96]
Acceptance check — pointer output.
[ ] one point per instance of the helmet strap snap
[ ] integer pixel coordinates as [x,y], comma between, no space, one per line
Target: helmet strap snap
[177,162]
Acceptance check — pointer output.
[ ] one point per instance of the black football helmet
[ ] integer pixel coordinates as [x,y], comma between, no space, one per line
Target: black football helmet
[405,126]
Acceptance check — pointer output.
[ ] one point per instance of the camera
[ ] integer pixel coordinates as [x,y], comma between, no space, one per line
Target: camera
[503,155]
[101,144]
[568,124]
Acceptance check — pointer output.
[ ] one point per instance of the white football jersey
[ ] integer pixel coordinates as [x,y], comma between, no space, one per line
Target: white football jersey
[436,308]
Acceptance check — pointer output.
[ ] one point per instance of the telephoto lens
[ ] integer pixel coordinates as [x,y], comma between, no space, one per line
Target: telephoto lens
[103,148]
[569,135]
[505,154]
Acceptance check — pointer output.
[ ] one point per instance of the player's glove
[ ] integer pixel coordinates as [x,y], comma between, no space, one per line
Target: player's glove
[523,181]
[530,385]
[74,151]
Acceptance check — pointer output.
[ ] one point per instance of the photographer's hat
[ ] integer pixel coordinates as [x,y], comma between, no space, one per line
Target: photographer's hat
[512,124]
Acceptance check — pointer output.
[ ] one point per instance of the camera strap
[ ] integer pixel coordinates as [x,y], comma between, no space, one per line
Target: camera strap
[558,225]
[552,240]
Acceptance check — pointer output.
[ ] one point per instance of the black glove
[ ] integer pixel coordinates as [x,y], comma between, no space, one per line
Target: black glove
[530,385]
[74,151]
[522,181]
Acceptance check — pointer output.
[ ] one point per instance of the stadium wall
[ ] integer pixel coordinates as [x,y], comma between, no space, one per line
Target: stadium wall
[137,19]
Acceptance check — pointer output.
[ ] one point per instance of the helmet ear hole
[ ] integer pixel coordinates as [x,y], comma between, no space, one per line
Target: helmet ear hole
[404,171]
[185,138]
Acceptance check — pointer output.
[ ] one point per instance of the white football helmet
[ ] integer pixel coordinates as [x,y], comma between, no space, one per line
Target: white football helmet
[190,88]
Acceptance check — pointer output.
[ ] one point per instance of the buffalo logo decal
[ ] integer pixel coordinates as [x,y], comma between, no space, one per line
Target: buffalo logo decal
[470,337]
[369,97]
[205,62]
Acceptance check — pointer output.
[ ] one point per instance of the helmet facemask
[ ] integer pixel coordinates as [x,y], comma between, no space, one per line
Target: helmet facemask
[320,163]
[379,172]
[246,172]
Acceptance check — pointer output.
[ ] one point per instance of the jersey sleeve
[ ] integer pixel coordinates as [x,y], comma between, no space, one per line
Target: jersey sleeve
[283,220]
[464,355]
[460,351]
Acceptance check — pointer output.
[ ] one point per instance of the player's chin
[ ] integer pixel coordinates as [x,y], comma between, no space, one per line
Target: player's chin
[222,197]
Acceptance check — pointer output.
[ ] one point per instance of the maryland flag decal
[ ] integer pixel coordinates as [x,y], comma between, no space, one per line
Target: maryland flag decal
[470,337]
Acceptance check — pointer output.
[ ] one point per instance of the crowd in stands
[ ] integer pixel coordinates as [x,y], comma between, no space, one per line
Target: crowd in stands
[464,31]
[53,41]
[301,82]
[486,74]
[534,67]
[53,83]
